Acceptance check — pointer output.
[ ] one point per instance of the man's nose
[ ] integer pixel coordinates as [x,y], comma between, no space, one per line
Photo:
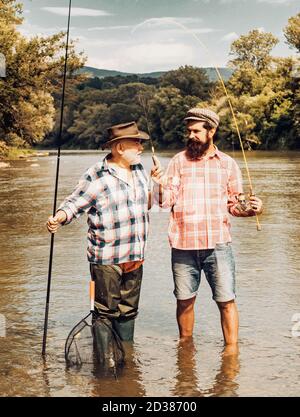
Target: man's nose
[141,147]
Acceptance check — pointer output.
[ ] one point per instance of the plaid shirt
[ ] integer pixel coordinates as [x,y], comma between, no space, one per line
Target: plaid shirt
[117,213]
[201,194]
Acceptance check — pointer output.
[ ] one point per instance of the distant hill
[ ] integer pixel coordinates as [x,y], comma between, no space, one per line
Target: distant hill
[101,73]
[212,73]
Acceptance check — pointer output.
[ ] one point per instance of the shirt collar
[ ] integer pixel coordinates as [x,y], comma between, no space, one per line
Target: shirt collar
[105,165]
[215,152]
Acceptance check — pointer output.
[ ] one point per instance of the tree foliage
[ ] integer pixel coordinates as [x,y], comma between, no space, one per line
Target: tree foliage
[292,32]
[33,76]
[190,81]
[263,90]
[253,48]
[264,93]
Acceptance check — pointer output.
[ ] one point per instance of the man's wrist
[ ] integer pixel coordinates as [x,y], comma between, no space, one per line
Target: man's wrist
[61,216]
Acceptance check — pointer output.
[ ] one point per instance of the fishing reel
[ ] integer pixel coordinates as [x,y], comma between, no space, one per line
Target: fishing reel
[244,204]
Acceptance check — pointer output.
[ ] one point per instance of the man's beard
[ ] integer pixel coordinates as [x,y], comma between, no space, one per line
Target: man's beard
[195,149]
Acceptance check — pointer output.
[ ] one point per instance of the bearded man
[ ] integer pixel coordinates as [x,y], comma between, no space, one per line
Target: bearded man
[202,185]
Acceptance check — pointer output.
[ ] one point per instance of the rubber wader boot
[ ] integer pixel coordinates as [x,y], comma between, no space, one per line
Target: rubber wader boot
[125,329]
[103,342]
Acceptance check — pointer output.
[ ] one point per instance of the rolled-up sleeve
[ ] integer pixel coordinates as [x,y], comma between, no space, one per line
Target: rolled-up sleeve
[82,198]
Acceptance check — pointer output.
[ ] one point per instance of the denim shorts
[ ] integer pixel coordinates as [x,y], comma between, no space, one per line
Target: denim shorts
[218,266]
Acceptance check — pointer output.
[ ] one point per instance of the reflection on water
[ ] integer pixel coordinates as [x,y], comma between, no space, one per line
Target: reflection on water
[268,295]
[225,384]
[188,381]
[92,380]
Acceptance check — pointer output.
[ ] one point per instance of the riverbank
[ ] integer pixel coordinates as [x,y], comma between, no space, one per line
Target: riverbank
[11,153]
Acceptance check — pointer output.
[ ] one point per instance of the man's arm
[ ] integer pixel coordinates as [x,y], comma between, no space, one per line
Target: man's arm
[82,198]
[235,188]
[166,187]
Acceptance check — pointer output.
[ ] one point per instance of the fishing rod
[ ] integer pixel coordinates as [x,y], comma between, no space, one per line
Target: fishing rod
[144,106]
[258,226]
[56,183]
[154,159]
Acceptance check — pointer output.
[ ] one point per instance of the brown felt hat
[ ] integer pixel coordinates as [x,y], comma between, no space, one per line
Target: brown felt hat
[124,131]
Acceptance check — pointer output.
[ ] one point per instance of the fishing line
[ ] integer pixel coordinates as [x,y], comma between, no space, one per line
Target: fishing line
[56,184]
[185,29]
[144,106]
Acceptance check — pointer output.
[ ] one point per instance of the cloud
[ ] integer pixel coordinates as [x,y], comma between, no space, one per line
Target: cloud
[171,27]
[203,30]
[275,1]
[257,1]
[29,30]
[91,44]
[166,22]
[283,2]
[158,23]
[230,1]
[100,28]
[146,57]
[76,11]
[230,37]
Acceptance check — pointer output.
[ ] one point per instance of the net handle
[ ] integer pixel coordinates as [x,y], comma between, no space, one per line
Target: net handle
[92,295]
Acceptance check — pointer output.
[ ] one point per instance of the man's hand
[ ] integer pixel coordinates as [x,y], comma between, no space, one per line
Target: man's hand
[157,173]
[54,223]
[256,204]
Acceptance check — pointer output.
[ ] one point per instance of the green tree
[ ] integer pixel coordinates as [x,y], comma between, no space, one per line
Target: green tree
[263,95]
[167,111]
[292,32]
[89,126]
[33,73]
[264,107]
[190,81]
[253,49]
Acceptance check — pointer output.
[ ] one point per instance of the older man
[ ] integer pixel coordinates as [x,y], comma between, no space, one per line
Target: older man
[114,194]
[202,185]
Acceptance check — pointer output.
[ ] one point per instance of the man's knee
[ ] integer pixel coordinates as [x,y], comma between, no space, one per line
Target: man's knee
[226,305]
[186,305]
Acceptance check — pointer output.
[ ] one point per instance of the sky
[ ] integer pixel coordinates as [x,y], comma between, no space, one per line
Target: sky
[159,35]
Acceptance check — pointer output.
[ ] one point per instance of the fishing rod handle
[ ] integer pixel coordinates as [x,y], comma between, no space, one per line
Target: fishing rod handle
[92,295]
[258,226]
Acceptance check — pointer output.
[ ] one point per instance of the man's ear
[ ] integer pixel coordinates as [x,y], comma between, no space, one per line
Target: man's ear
[212,132]
[119,148]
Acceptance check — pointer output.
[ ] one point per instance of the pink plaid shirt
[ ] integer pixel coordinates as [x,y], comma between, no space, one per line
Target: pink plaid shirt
[201,194]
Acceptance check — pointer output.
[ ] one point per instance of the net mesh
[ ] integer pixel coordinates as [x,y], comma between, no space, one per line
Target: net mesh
[94,341]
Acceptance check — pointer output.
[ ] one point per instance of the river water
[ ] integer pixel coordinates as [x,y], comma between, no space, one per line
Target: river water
[268,294]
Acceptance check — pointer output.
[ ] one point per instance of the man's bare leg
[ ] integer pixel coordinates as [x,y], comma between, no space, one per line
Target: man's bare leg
[185,317]
[229,321]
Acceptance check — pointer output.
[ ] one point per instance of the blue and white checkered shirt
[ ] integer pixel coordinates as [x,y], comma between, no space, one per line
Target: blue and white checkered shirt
[117,213]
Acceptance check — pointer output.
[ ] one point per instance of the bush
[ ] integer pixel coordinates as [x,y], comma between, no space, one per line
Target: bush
[4,150]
